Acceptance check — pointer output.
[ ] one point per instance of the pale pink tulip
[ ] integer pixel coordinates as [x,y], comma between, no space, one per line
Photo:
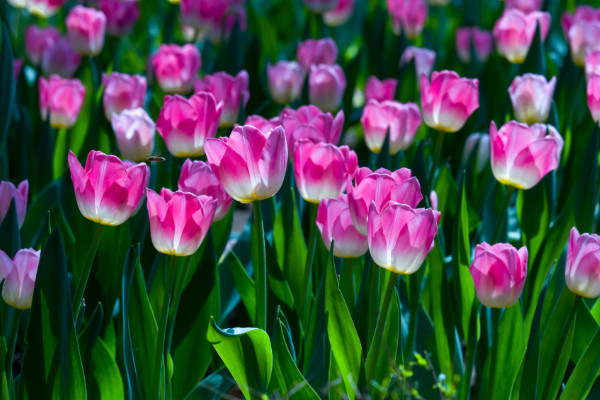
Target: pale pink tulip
[340,14]
[380,90]
[326,86]
[592,64]
[285,81]
[315,52]
[8,192]
[176,67]
[479,39]
[86,28]
[531,97]
[232,91]
[514,32]
[593,96]
[583,38]
[408,15]
[122,92]
[134,130]
[19,277]
[582,271]
[424,60]
[62,99]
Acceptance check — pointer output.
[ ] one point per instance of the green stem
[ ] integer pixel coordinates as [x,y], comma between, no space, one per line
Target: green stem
[509,194]
[60,153]
[13,329]
[495,321]
[310,257]
[414,283]
[260,270]
[87,268]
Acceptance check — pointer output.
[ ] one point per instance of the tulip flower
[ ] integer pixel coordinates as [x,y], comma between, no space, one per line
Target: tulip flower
[176,67]
[44,8]
[250,164]
[129,164]
[262,124]
[121,16]
[449,100]
[480,40]
[583,38]
[522,155]
[585,13]
[335,224]
[321,6]
[315,52]
[8,192]
[424,59]
[186,124]
[582,271]
[62,99]
[380,187]
[38,40]
[409,15]
[86,28]
[134,130]
[514,32]
[593,96]
[60,59]
[592,64]
[309,122]
[122,92]
[232,91]
[433,200]
[340,14]
[201,14]
[526,6]
[285,81]
[531,97]
[401,121]
[321,169]
[179,221]
[19,277]
[107,190]
[480,143]
[380,90]
[499,273]
[326,86]
[400,237]
[197,178]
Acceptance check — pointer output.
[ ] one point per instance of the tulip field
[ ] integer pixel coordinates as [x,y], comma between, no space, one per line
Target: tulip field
[299,199]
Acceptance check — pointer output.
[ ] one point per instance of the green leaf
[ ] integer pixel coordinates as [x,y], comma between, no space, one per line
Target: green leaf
[213,387]
[105,378]
[10,237]
[52,365]
[585,372]
[87,338]
[587,186]
[244,284]
[247,354]
[535,62]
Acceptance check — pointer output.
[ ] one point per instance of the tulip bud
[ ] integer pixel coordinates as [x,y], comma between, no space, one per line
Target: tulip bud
[262,124]
[409,15]
[250,164]
[62,98]
[335,224]
[315,52]
[531,97]
[526,6]
[514,31]
[321,6]
[449,101]
[479,143]
[179,221]
[285,81]
[583,260]
[44,8]
[176,67]
[121,16]
[380,90]
[38,40]
[186,124]
[60,59]
[122,92]
[107,190]
[400,237]
[19,277]
[8,192]
[232,91]
[481,40]
[326,86]
[499,273]
[522,155]
[86,28]
[134,130]
[424,60]
[340,14]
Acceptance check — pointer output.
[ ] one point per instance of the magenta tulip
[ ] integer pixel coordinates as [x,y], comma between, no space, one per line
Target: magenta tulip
[176,67]
[499,273]
[449,100]
[121,16]
[8,192]
[531,97]
[285,81]
[340,14]
[593,96]
[129,164]
[179,221]
[592,64]
[424,60]
[480,40]
[107,190]
[479,143]
[202,14]
[514,32]
[19,277]
[408,15]
[582,271]
[62,99]
[60,59]
[526,6]
[86,28]
[232,91]
[262,124]
[122,92]
[315,52]
[326,86]
[380,90]
[44,8]
[522,155]
[335,223]
[38,40]
[321,6]
[134,130]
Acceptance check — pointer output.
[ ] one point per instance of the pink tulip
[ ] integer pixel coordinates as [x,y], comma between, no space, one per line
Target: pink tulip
[63,99]
[186,124]
[86,28]
[583,13]
[250,164]
[17,67]
[409,15]
[340,14]
[380,90]
[479,142]
[121,16]
[8,192]
[232,91]
[129,164]
[481,41]
[531,97]
[433,200]
[262,124]
[401,121]
[522,155]
[285,81]
[315,52]
[19,277]
[400,237]
[321,6]
[335,223]
[592,64]
[449,100]
[179,221]
[321,169]
[424,59]
[593,96]
[38,40]
[134,130]
[526,6]
[380,187]
[309,122]
[326,86]
[107,190]
[122,92]
[60,59]
[44,8]
[218,31]
[582,271]
[514,32]
[207,16]
[583,38]
[197,178]
[176,67]
[499,273]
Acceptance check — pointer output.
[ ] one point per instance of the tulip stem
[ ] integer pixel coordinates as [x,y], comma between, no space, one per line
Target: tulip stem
[12,330]
[509,194]
[87,268]
[310,257]
[260,270]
